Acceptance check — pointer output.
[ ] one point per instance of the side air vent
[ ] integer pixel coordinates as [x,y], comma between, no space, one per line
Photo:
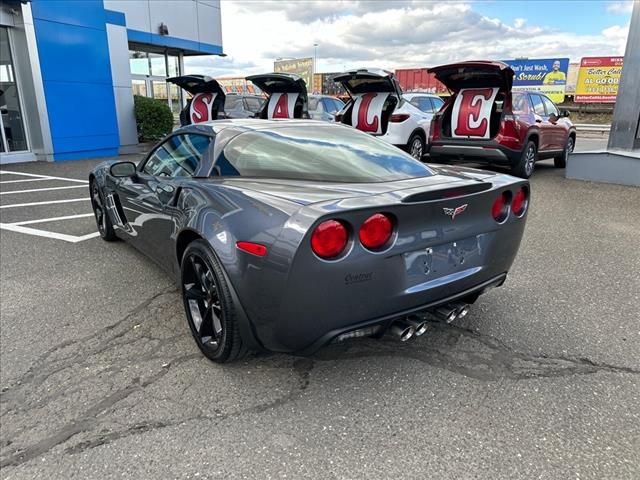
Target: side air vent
[446,193]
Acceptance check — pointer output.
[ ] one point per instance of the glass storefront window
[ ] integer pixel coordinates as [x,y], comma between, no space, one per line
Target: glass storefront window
[138,62]
[174,65]
[158,64]
[13,135]
[139,87]
[159,88]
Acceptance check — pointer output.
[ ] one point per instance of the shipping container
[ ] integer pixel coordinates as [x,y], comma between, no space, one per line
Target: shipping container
[419,80]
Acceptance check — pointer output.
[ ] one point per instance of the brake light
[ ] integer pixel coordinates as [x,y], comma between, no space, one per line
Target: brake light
[252,248]
[500,208]
[329,239]
[520,202]
[434,128]
[375,231]
[398,117]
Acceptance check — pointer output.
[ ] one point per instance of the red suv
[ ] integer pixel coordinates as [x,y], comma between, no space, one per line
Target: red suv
[486,121]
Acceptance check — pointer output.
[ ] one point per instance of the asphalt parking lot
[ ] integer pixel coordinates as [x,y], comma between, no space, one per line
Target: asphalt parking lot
[100,378]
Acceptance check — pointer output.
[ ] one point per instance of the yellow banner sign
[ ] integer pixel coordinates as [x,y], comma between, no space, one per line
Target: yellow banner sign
[598,79]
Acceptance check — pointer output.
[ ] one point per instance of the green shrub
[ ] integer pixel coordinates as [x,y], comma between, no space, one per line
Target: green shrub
[153,118]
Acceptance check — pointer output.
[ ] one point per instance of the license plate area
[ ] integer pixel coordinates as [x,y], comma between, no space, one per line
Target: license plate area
[442,260]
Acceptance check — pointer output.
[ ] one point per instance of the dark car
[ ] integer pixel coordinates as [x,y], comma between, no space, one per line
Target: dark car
[324,107]
[486,121]
[287,235]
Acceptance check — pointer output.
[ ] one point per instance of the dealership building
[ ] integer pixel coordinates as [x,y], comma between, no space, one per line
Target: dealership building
[69,70]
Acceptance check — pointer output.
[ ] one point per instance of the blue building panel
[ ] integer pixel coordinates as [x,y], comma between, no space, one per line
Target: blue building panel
[69,53]
[74,59]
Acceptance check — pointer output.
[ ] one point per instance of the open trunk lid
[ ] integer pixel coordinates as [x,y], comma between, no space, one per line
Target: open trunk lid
[375,94]
[474,74]
[207,101]
[287,95]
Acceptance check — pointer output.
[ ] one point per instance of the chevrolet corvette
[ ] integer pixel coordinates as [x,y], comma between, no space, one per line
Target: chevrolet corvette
[286,235]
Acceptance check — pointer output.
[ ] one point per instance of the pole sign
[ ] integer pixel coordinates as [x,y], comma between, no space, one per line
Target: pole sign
[545,75]
[598,79]
[299,66]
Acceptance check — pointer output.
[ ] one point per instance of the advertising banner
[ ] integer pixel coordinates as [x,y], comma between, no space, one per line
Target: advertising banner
[598,79]
[299,66]
[546,75]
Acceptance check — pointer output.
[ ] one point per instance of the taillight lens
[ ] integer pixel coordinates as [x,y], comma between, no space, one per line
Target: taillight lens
[434,128]
[329,239]
[500,208]
[399,117]
[520,201]
[376,231]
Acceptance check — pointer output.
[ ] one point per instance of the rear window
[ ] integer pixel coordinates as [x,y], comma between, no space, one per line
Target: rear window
[325,154]
[519,103]
[254,103]
[313,103]
[232,103]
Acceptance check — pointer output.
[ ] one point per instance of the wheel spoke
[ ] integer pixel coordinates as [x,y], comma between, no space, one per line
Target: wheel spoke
[194,292]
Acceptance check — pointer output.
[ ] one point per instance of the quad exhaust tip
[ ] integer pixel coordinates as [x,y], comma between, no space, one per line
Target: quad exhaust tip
[403,330]
[420,325]
[462,308]
[452,311]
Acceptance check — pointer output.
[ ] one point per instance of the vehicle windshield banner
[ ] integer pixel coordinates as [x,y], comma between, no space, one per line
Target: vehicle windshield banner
[281,105]
[598,79]
[471,114]
[546,75]
[367,111]
[201,108]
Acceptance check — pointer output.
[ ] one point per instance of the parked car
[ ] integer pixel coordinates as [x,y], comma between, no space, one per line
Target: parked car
[377,106]
[207,100]
[288,235]
[242,105]
[425,102]
[324,107]
[486,121]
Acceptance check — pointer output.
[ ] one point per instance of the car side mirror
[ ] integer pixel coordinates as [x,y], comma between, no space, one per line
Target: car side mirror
[123,169]
[565,113]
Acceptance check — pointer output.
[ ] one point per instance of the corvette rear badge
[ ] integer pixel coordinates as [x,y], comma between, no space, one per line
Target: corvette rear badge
[454,212]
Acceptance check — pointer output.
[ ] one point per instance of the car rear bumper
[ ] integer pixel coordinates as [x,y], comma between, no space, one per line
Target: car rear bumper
[489,152]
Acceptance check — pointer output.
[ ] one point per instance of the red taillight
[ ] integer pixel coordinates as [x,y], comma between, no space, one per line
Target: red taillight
[520,201]
[398,117]
[252,248]
[376,231]
[434,128]
[329,239]
[500,208]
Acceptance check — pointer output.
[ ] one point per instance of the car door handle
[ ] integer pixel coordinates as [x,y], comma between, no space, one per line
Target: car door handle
[166,189]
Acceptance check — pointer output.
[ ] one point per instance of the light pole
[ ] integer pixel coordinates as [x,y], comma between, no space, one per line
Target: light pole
[315,57]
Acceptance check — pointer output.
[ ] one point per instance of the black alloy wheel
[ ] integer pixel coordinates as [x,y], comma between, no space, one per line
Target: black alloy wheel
[415,147]
[526,164]
[561,160]
[105,228]
[208,304]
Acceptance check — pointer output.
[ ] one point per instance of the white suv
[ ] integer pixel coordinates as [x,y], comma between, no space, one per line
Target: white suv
[378,106]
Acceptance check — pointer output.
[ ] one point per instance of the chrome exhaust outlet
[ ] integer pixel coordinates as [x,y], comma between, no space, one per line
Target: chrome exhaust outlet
[462,309]
[420,325]
[402,330]
[446,313]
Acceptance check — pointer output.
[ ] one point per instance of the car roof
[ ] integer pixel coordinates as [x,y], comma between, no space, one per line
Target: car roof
[250,124]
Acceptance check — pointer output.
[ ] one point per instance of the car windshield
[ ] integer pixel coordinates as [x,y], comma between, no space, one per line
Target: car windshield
[323,153]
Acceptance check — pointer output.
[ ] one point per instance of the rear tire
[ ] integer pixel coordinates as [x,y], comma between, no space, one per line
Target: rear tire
[416,146]
[103,222]
[208,304]
[561,160]
[526,164]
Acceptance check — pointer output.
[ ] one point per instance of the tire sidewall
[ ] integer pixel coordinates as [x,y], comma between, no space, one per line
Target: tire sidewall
[202,250]
[107,232]
[412,139]
[521,168]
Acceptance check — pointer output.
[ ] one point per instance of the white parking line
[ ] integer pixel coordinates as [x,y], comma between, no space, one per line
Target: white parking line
[2,182]
[52,219]
[46,234]
[32,190]
[15,205]
[49,177]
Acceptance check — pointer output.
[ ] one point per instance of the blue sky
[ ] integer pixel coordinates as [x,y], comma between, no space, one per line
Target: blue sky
[584,17]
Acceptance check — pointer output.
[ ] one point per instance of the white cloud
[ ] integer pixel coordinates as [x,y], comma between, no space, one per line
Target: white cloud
[621,8]
[390,35]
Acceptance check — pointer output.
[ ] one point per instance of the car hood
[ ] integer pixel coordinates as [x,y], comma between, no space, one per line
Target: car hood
[474,74]
[368,80]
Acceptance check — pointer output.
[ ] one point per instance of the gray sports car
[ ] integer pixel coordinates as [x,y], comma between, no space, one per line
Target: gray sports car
[285,235]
